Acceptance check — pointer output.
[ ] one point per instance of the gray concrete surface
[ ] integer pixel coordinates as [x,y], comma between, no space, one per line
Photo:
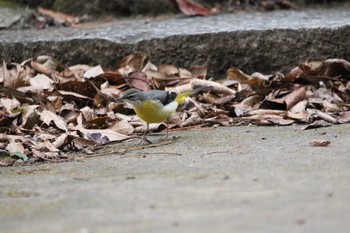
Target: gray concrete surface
[236,179]
[252,41]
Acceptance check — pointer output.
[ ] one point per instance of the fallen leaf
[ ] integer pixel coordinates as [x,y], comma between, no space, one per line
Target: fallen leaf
[15,147]
[41,82]
[334,68]
[93,72]
[138,80]
[320,143]
[47,117]
[10,104]
[281,121]
[302,116]
[191,8]
[61,18]
[12,78]
[82,88]
[122,127]
[344,117]
[286,102]
[317,124]
[105,135]
[131,63]
[215,86]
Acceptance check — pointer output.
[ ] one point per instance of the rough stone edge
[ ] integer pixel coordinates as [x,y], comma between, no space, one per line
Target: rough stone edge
[263,51]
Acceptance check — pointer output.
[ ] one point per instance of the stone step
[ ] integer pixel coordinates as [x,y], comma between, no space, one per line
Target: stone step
[252,41]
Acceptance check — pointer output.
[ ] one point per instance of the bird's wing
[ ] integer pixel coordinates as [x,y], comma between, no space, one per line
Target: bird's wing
[164,97]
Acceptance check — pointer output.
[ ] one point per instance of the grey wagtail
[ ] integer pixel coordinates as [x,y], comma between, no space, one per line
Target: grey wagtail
[153,106]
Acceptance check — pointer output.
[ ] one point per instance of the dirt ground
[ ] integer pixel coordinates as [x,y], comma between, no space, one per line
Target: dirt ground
[241,179]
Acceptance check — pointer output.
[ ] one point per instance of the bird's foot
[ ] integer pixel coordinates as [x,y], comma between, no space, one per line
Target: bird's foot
[144,140]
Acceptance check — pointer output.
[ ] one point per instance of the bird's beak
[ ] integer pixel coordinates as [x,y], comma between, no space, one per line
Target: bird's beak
[119,99]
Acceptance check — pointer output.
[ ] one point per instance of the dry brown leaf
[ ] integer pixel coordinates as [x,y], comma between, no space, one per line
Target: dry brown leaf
[208,98]
[113,78]
[138,80]
[60,17]
[299,107]
[293,74]
[81,88]
[294,97]
[50,147]
[84,144]
[191,8]
[77,71]
[320,143]
[331,107]
[30,117]
[334,68]
[168,70]
[184,75]
[149,66]
[47,117]
[194,119]
[130,63]
[41,82]
[93,72]
[181,89]
[215,86]
[281,121]
[325,116]
[10,104]
[261,112]
[62,141]
[106,134]
[122,127]
[13,78]
[286,102]
[234,73]
[302,116]
[344,117]
[199,72]
[317,124]
[245,106]
[15,147]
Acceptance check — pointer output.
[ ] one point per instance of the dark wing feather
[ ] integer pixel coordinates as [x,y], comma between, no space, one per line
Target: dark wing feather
[164,97]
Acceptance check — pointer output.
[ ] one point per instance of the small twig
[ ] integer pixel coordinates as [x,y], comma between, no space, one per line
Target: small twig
[54,160]
[123,151]
[215,152]
[149,146]
[156,153]
[191,128]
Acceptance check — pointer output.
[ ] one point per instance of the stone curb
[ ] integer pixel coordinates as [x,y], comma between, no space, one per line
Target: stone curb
[264,42]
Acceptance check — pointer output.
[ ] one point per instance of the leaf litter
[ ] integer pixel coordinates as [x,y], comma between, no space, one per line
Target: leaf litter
[47,109]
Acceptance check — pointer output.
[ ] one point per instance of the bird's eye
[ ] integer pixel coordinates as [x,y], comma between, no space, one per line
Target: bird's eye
[131,96]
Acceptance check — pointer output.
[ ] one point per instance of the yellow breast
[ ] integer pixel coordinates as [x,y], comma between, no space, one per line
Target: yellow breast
[154,112]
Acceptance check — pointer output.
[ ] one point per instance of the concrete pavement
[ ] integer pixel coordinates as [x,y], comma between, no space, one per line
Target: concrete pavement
[235,179]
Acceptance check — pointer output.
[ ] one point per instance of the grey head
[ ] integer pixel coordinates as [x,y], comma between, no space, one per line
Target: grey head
[131,95]
[135,96]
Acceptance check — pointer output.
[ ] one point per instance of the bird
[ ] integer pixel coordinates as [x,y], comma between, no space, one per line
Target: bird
[153,106]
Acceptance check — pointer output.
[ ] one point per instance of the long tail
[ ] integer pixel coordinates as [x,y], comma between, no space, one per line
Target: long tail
[182,96]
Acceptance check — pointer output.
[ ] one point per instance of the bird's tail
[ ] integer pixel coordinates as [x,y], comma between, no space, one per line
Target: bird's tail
[181,97]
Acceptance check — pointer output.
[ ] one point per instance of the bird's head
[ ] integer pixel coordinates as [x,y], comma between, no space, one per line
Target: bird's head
[132,96]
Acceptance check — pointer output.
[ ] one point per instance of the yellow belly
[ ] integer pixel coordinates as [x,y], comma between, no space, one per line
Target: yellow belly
[154,112]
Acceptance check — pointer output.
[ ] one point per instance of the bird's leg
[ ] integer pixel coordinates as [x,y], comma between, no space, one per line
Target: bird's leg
[167,129]
[143,138]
